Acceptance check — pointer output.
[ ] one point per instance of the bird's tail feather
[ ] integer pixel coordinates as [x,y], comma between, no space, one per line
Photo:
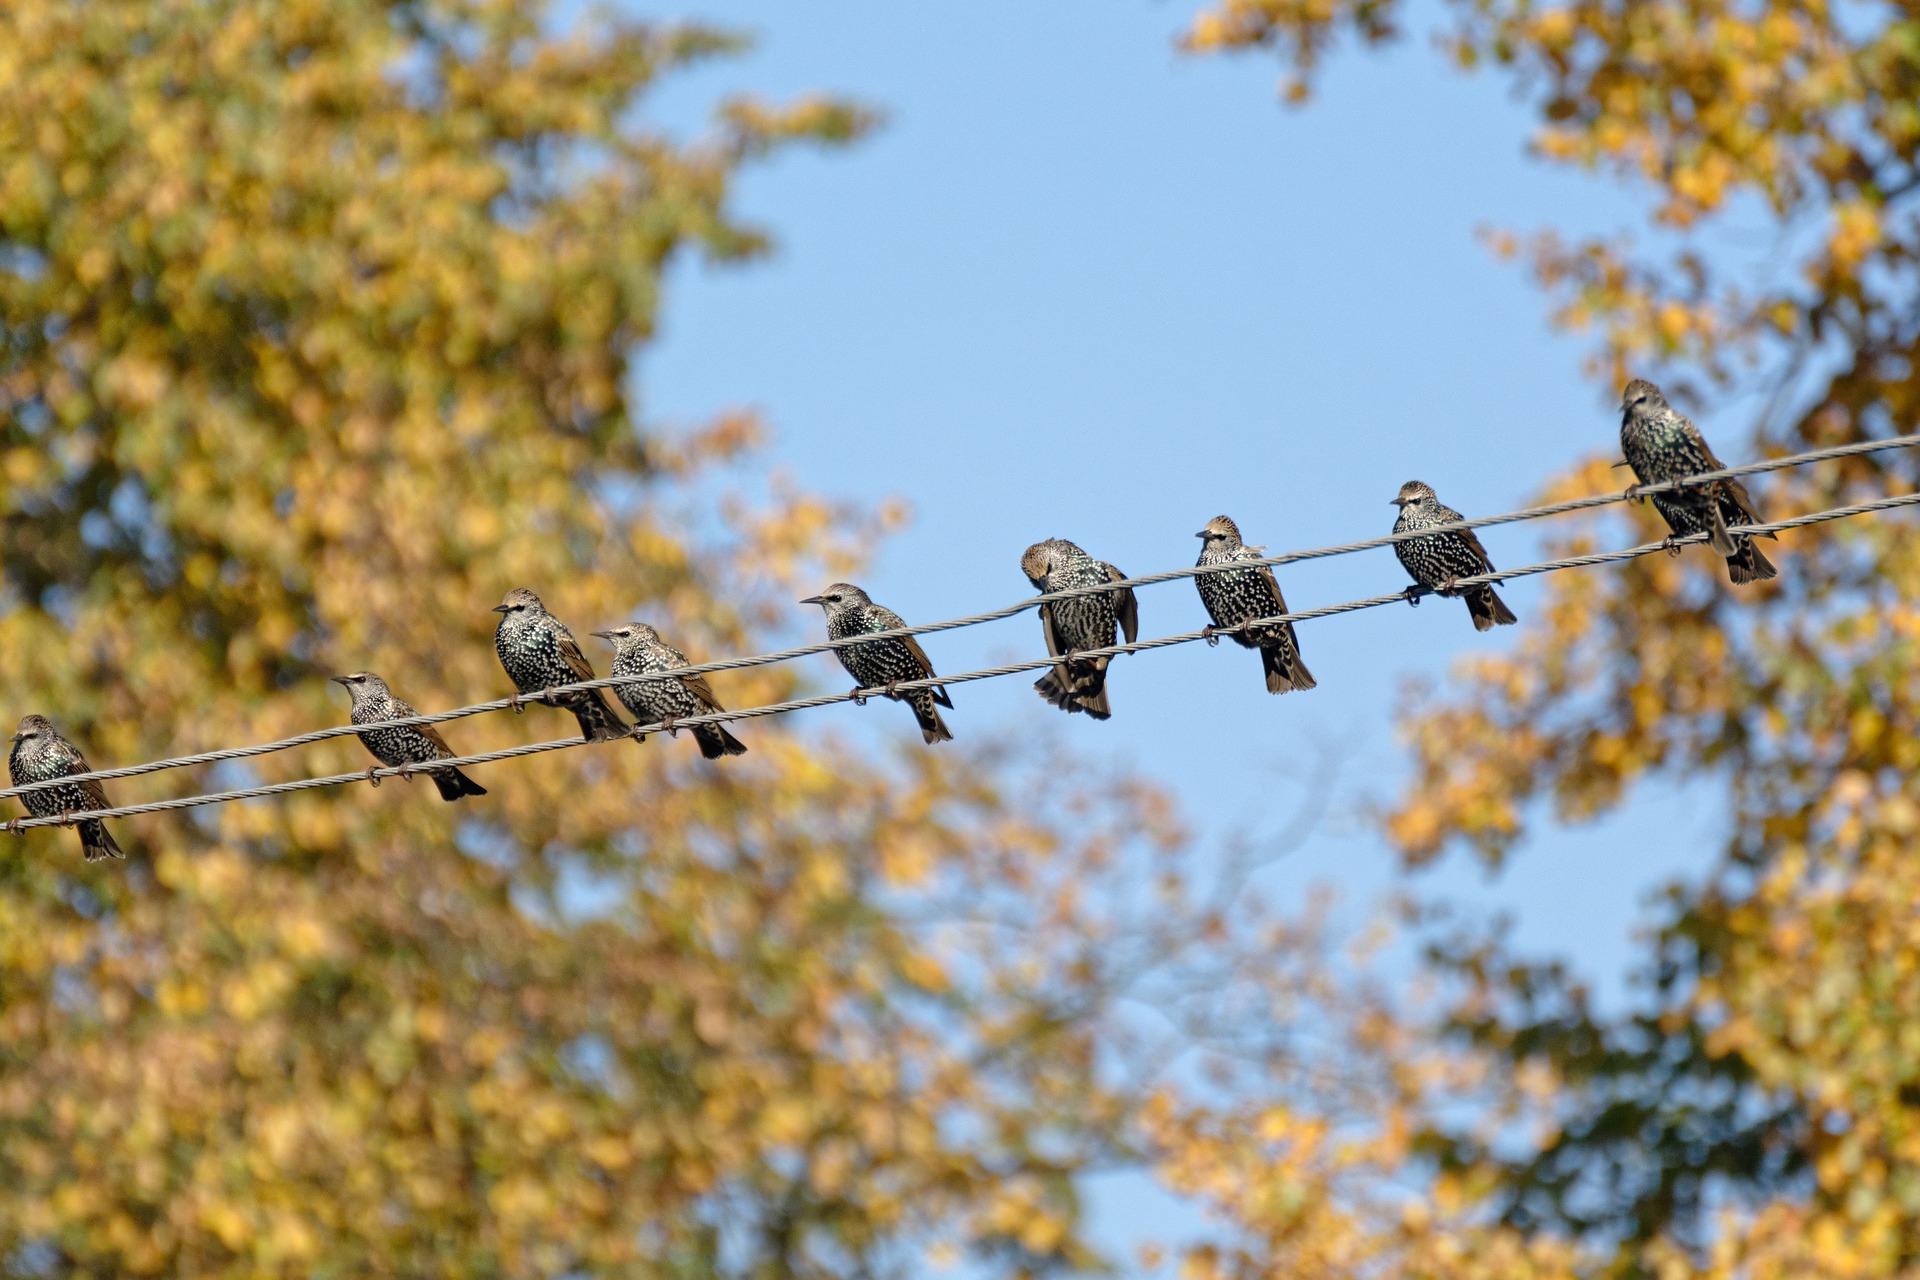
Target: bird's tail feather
[1077,687]
[599,722]
[715,741]
[1746,564]
[96,842]
[1285,672]
[454,785]
[1049,687]
[932,727]
[1489,610]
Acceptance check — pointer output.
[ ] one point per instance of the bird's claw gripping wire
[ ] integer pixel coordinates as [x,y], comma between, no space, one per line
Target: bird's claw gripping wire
[518,703]
[373,775]
[13,825]
[1671,543]
[1632,492]
[892,690]
[66,817]
[672,727]
[407,771]
[859,696]
[1451,587]
[1211,636]
[1413,593]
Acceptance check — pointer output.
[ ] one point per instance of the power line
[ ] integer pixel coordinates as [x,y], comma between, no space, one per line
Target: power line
[992,615]
[1411,594]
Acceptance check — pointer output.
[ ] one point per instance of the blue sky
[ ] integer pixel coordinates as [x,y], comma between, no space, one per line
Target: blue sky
[1084,286]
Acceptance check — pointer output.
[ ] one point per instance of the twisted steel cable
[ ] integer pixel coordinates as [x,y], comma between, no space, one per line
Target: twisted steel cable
[992,615]
[1411,594]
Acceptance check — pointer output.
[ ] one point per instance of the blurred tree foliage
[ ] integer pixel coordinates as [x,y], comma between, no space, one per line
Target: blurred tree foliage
[317,319]
[1761,1117]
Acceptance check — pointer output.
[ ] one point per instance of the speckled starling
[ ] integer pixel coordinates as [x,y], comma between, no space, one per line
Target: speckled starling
[883,662]
[1436,561]
[406,744]
[639,650]
[40,753]
[1083,622]
[539,653]
[1660,444]
[1234,596]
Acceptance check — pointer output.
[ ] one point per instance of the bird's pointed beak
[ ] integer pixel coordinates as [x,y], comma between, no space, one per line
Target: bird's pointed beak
[1398,502]
[604,635]
[339,679]
[501,608]
[1201,534]
[1620,464]
[813,600]
[18,736]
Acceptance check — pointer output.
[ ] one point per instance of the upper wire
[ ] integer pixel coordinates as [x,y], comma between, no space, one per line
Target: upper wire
[1410,595]
[992,615]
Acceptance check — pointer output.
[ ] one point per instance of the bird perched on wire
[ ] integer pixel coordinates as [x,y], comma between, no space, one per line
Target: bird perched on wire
[539,653]
[883,663]
[402,745]
[639,650]
[1436,561]
[40,753]
[1661,444]
[1234,596]
[1083,622]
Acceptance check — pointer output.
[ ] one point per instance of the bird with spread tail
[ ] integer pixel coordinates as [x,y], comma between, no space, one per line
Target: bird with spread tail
[881,664]
[1436,561]
[638,650]
[39,754]
[1237,596]
[402,746]
[1661,444]
[539,653]
[1080,622]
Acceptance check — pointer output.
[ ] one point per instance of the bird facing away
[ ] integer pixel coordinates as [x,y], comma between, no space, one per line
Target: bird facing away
[883,663]
[539,653]
[1234,596]
[1084,622]
[40,753]
[639,650]
[1437,560]
[402,745]
[1661,444]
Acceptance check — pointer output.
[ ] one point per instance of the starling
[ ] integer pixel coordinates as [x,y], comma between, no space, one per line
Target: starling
[539,653]
[883,663]
[1436,561]
[1234,596]
[1662,445]
[408,744]
[639,650]
[40,753]
[1084,622]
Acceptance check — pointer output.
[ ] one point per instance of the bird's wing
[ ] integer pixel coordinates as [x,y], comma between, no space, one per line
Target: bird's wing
[570,654]
[926,664]
[1736,493]
[96,793]
[699,688]
[91,788]
[919,654]
[1125,607]
[1273,585]
[1047,630]
[1479,552]
[432,735]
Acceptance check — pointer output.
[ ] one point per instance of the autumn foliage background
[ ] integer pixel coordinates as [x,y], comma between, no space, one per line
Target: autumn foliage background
[319,322]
